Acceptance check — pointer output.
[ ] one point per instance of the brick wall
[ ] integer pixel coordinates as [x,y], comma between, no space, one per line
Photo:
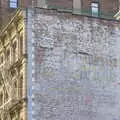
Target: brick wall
[7,12]
[25,3]
[86,4]
[68,4]
[109,6]
[76,67]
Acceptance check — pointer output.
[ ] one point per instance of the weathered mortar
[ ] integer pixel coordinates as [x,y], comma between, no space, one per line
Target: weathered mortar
[76,67]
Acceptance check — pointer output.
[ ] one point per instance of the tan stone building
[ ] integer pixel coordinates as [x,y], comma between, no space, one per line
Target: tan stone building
[13,65]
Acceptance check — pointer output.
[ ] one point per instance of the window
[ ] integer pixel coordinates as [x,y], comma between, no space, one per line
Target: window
[0,82]
[6,96]
[1,61]
[14,52]
[1,99]
[15,115]
[13,73]
[21,44]
[13,3]
[8,55]
[21,87]
[95,9]
[15,89]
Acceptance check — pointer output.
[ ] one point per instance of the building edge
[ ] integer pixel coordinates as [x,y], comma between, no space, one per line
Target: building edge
[30,77]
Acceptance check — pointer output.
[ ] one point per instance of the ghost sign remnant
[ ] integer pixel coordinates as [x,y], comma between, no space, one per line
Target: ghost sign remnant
[70,85]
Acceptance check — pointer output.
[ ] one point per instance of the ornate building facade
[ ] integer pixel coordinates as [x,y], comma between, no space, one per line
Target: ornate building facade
[13,64]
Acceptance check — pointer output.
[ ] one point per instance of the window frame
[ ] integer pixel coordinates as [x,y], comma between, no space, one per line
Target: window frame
[95,13]
[21,41]
[8,55]
[13,4]
[14,51]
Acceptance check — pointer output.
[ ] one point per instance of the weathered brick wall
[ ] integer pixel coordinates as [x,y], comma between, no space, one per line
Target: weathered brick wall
[66,4]
[25,3]
[86,4]
[76,67]
[109,6]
